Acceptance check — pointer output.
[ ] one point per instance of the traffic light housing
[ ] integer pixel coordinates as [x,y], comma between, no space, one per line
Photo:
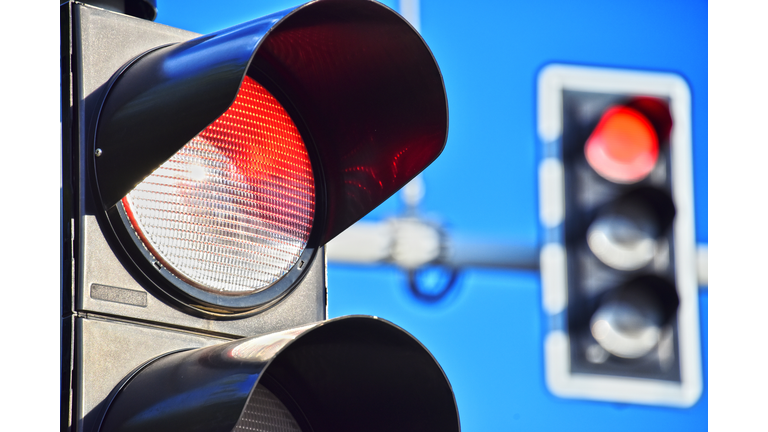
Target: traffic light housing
[202,176]
[618,259]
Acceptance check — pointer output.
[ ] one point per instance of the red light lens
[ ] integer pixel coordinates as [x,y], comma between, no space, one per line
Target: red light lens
[231,212]
[624,147]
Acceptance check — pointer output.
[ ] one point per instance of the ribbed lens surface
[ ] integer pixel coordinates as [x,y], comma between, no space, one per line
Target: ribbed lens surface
[265,413]
[231,212]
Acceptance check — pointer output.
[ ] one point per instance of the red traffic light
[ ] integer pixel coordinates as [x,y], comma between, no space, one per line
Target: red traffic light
[224,162]
[204,174]
[623,147]
[617,277]
[231,212]
[359,82]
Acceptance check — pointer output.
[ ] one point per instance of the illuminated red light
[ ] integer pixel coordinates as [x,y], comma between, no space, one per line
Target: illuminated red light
[231,212]
[624,147]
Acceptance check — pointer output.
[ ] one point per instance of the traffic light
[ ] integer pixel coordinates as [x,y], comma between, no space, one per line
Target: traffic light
[618,259]
[202,176]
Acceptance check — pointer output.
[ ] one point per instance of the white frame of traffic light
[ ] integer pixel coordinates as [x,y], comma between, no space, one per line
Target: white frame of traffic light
[553,80]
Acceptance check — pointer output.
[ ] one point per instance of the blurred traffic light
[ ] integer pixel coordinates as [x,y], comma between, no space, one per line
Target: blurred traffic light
[618,259]
[202,177]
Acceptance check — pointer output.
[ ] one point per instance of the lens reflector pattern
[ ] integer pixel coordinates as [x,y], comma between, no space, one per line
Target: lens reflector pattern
[231,212]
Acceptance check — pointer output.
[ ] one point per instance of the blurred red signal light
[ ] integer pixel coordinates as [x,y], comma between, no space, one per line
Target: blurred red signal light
[624,146]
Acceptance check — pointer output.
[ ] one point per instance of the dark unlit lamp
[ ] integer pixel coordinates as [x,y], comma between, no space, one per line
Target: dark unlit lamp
[630,320]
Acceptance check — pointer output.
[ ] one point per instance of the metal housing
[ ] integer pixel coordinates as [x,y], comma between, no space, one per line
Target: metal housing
[358,81]
[115,316]
[344,374]
[107,282]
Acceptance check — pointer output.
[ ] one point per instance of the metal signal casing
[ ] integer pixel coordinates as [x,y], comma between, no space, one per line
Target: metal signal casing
[124,82]
[109,297]
[107,286]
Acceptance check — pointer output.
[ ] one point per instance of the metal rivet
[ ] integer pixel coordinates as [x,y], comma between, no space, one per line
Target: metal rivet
[98,152]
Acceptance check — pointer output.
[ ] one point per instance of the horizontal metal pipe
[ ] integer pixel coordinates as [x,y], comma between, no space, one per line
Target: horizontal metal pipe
[374,242]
